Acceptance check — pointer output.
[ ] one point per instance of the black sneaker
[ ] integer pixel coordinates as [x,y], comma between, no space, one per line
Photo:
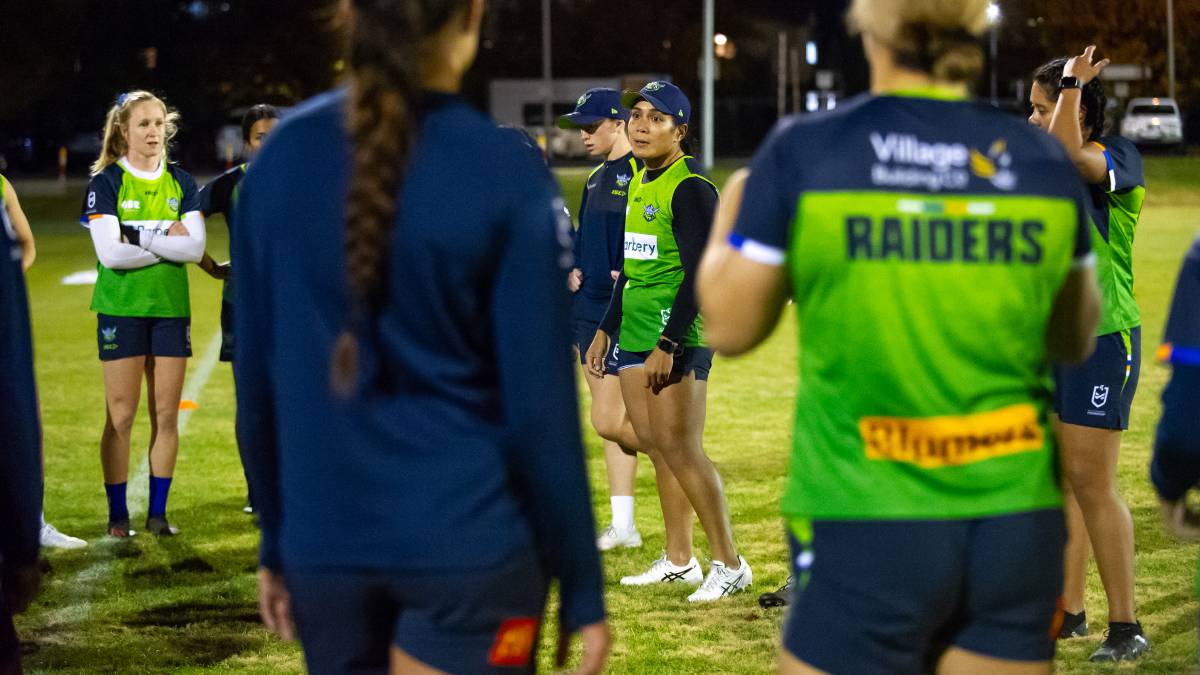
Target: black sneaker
[158,525]
[1122,642]
[120,529]
[1073,625]
[777,598]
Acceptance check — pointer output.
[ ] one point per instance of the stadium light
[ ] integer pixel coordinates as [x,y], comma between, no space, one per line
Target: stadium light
[720,39]
[993,13]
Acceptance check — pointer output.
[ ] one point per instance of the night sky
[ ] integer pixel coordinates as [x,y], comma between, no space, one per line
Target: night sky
[66,60]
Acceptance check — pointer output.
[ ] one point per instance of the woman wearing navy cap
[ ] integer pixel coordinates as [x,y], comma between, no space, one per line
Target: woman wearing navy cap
[662,359]
[600,119]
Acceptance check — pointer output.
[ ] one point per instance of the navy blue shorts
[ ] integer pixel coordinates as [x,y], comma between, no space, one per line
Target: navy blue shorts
[119,337]
[458,622]
[226,330]
[693,360]
[585,332]
[891,596]
[1099,392]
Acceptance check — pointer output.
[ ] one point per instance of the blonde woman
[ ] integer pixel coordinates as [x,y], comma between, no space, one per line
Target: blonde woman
[146,225]
[939,258]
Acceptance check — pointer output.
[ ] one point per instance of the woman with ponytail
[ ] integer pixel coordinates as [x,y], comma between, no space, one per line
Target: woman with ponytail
[938,257]
[145,221]
[417,468]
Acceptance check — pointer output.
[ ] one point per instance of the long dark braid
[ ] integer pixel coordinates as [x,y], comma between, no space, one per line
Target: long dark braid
[385,39]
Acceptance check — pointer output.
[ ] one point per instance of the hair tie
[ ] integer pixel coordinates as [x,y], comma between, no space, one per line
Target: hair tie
[121,99]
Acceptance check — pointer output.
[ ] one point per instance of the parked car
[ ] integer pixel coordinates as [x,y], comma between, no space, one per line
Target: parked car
[1153,121]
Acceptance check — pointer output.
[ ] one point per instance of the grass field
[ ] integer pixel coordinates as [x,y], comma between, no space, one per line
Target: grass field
[187,604]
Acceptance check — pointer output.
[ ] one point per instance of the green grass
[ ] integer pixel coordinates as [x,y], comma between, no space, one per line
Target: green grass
[188,604]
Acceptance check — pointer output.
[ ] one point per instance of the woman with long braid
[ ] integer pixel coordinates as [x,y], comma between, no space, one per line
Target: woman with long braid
[420,481]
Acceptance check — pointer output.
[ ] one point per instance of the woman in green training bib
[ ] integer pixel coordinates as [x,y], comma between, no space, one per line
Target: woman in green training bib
[146,225]
[661,356]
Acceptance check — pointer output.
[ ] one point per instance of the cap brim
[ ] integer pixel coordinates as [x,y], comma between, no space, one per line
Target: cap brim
[578,120]
[630,99]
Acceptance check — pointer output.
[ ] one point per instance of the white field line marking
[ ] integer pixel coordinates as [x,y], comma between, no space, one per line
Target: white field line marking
[89,580]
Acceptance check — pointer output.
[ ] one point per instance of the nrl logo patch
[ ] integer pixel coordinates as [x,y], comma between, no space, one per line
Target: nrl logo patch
[650,213]
[1099,396]
[109,334]
[173,203]
[623,179]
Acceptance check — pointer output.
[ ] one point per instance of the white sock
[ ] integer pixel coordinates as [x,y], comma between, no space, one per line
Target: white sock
[622,512]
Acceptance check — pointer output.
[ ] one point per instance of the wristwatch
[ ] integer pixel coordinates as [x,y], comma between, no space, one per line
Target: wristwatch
[1068,82]
[672,348]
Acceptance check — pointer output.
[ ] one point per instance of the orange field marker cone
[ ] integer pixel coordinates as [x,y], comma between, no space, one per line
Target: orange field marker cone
[187,404]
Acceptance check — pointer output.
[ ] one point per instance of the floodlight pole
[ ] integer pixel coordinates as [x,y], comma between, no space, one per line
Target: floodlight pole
[1171,48]
[707,42]
[547,79]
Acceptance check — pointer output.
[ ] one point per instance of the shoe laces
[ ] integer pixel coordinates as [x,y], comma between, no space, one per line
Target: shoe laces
[713,580]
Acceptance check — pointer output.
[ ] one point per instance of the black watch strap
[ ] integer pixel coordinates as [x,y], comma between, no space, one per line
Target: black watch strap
[1068,82]
[672,348]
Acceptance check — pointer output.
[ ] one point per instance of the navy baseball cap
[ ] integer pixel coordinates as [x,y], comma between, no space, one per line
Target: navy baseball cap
[665,97]
[594,106]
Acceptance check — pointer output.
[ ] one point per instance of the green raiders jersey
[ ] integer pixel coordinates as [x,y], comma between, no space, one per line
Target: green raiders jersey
[925,239]
[144,203]
[1115,207]
[653,268]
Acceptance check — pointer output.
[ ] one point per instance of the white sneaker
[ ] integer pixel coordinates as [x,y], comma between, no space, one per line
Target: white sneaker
[664,571]
[614,536]
[723,581]
[51,538]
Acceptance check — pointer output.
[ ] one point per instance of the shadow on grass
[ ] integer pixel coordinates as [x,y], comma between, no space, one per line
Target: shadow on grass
[181,614]
[53,651]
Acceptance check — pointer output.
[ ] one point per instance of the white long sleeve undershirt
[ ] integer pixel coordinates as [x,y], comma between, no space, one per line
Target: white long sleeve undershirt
[189,249]
[114,253]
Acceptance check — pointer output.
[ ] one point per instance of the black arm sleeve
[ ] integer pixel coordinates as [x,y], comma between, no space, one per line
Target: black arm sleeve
[612,318]
[693,207]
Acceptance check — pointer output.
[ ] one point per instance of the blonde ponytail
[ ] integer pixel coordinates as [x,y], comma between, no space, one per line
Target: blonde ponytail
[937,37]
[116,123]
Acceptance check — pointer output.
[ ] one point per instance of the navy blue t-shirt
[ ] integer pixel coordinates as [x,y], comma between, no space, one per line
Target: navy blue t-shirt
[462,444]
[20,425]
[600,240]
[1176,464]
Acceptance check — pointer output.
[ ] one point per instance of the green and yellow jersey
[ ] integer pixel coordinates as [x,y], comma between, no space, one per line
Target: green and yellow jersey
[1115,206]
[655,261]
[926,239]
[145,203]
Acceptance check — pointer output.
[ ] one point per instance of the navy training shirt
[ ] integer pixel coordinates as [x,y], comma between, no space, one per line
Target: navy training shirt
[20,425]
[600,240]
[462,446]
[1175,467]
